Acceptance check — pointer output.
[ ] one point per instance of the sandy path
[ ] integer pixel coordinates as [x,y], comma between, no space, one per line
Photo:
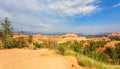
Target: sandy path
[33,59]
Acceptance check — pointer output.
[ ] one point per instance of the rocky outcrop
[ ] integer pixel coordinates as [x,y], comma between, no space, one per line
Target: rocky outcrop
[112,44]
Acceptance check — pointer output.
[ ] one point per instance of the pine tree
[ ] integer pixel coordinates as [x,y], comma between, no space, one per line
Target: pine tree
[6,28]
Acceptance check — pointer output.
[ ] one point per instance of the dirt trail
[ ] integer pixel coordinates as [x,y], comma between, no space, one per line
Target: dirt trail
[35,59]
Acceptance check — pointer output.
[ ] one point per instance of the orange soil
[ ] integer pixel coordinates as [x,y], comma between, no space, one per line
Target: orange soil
[35,59]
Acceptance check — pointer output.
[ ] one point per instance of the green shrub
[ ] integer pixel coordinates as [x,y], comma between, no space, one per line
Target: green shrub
[92,46]
[14,43]
[21,42]
[100,43]
[90,49]
[86,61]
[37,45]
[117,50]
[117,38]
[51,44]
[10,43]
[112,53]
[1,44]
[77,46]
[103,57]
[30,39]
[61,49]
[69,52]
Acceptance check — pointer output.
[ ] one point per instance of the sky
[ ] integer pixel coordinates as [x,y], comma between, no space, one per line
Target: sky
[50,16]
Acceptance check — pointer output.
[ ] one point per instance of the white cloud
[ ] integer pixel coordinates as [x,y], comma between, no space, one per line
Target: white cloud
[27,13]
[4,13]
[117,5]
[73,7]
[51,7]
[48,15]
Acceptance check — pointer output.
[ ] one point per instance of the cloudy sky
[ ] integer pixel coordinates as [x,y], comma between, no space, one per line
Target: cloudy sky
[78,16]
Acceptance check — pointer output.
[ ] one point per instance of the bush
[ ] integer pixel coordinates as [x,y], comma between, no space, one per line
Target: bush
[117,50]
[1,44]
[21,42]
[14,43]
[90,50]
[61,49]
[69,52]
[112,53]
[30,39]
[100,43]
[86,61]
[92,46]
[66,48]
[115,38]
[10,43]
[103,57]
[51,44]
[77,46]
[37,45]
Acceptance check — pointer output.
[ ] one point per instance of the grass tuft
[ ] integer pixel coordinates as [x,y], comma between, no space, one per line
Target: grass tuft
[88,62]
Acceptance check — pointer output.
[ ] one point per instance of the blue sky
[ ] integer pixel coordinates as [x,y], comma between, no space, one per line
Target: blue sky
[77,16]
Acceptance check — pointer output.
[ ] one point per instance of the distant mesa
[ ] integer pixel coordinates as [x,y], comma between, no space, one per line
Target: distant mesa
[37,35]
[70,36]
[114,34]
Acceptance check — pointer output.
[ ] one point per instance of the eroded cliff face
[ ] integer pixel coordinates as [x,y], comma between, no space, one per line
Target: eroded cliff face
[38,38]
[71,37]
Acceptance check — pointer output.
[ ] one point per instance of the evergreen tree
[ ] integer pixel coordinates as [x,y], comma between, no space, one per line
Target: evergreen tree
[6,27]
